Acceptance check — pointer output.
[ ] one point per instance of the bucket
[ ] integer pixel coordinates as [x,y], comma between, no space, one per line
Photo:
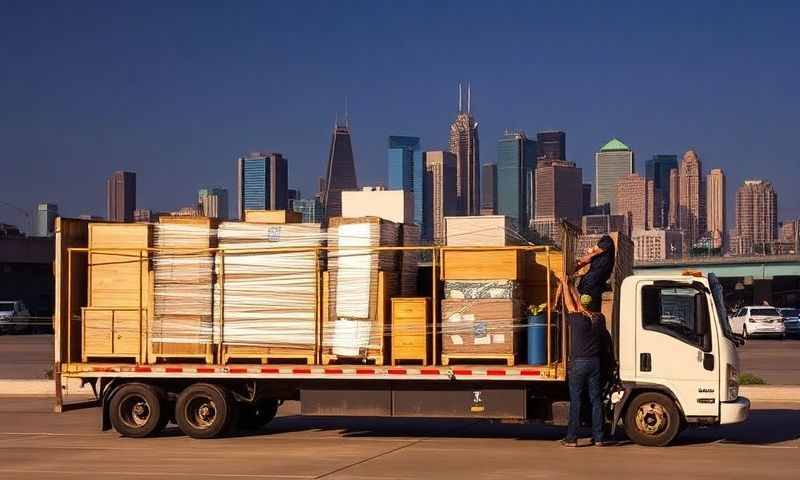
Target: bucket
[537,339]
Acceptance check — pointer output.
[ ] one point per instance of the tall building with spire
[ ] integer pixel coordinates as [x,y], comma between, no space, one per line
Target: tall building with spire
[465,146]
[715,208]
[341,172]
[614,160]
[691,197]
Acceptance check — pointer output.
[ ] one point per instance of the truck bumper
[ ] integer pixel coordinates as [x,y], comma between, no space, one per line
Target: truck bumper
[735,411]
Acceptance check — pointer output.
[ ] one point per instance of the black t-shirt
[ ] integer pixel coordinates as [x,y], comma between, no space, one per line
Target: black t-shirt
[600,270]
[586,335]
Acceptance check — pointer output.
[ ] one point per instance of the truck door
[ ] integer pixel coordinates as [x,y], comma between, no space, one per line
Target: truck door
[671,350]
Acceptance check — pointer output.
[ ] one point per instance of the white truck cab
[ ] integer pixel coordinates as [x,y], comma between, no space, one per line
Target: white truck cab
[677,357]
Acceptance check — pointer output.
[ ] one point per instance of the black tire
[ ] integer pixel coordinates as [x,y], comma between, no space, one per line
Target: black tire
[137,410]
[204,410]
[256,416]
[652,419]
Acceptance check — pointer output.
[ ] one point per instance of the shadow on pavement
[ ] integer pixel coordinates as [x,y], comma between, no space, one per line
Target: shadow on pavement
[764,427]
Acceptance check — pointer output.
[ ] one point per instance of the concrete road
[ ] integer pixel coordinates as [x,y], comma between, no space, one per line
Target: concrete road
[37,444]
[25,356]
[776,361]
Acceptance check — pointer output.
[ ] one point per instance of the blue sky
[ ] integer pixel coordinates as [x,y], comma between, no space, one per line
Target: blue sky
[177,90]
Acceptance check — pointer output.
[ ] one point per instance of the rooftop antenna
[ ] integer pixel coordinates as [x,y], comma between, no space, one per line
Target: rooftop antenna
[469,97]
[346,114]
[459,98]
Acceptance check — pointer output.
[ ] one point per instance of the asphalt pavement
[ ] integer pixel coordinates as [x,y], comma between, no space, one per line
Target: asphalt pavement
[38,444]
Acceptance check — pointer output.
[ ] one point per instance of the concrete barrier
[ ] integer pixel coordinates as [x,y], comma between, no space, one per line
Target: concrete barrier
[771,393]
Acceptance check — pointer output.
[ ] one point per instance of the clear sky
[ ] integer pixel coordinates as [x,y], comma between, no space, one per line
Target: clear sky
[177,90]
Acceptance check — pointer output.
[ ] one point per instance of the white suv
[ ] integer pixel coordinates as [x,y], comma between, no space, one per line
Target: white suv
[761,320]
[14,317]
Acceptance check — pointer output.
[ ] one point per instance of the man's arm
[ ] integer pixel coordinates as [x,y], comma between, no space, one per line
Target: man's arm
[590,254]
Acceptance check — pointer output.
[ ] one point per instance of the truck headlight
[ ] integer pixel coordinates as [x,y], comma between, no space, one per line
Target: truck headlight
[733,382]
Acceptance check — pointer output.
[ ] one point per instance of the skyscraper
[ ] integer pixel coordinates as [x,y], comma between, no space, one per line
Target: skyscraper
[310,208]
[213,202]
[439,194]
[657,169]
[405,170]
[614,160]
[715,208]
[558,191]
[516,164]
[465,146]
[489,189]
[586,199]
[46,214]
[756,216]
[551,145]
[121,196]
[262,182]
[341,172]
[634,199]
[674,199]
[691,197]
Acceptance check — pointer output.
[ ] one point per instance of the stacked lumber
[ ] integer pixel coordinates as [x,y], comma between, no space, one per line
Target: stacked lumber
[481,231]
[270,297]
[183,272]
[361,282]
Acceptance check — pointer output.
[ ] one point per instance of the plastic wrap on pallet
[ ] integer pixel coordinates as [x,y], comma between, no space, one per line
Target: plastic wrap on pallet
[270,297]
[353,325]
[183,275]
[480,326]
[476,289]
[409,262]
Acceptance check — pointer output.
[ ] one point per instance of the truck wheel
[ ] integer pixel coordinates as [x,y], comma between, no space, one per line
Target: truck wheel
[256,416]
[204,410]
[652,420]
[137,410]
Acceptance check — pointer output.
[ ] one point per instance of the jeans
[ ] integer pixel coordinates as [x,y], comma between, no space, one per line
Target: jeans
[583,373]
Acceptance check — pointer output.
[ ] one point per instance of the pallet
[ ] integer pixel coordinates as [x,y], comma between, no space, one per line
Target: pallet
[330,359]
[509,359]
[267,355]
[407,361]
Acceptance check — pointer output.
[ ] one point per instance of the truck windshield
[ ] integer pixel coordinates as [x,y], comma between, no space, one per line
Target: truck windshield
[719,304]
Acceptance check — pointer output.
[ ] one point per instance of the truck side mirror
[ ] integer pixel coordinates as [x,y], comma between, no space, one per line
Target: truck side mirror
[701,321]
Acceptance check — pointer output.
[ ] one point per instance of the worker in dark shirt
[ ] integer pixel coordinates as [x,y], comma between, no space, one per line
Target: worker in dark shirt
[601,261]
[587,344]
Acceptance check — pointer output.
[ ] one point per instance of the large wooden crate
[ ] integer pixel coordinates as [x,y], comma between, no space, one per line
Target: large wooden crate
[411,330]
[481,330]
[272,216]
[484,264]
[113,333]
[481,231]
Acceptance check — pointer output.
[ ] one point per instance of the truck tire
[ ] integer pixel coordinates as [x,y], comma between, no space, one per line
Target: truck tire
[652,419]
[204,410]
[256,416]
[137,410]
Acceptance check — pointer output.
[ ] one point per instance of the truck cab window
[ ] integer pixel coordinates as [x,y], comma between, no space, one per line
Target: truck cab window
[670,310]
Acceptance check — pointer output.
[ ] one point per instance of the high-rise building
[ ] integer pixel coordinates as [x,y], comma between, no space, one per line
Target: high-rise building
[674,199]
[404,166]
[489,189]
[634,199]
[586,199]
[144,215]
[691,197]
[341,172]
[213,202]
[614,160]
[464,145]
[516,164]
[121,196]
[439,194]
[551,145]
[656,244]
[262,182]
[292,194]
[310,208]
[603,224]
[46,214]
[657,169]
[756,216]
[715,208]
[559,188]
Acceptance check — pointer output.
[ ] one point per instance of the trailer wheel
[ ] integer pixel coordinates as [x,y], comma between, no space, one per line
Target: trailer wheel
[204,410]
[256,416]
[652,419]
[137,410]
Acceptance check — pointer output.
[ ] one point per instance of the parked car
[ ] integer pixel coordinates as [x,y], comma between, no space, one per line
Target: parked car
[791,321]
[758,321]
[14,317]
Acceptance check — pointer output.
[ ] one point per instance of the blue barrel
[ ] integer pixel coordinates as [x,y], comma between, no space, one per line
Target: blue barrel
[537,339]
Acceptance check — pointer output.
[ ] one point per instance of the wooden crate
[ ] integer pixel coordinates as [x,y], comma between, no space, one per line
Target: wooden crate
[266,354]
[117,278]
[480,231]
[481,329]
[500,264]
[272,216]
[113,333]
[410,330]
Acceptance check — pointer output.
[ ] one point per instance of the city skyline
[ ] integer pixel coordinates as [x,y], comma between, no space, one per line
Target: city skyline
[174,148]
